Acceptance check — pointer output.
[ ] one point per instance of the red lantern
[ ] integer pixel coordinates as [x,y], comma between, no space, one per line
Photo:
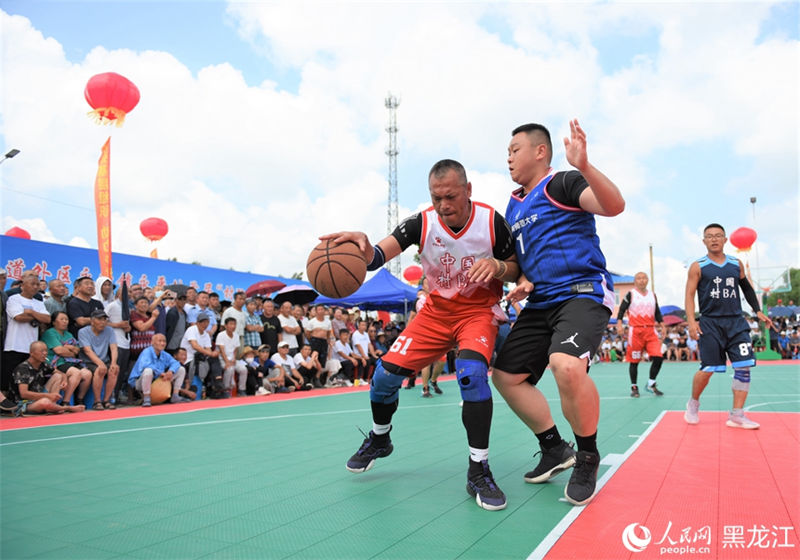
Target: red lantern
[413,273]
[111,96]
[18,232]
[743,238]
[154,228]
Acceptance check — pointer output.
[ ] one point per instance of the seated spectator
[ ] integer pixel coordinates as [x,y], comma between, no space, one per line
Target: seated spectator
[307,363]
[99,353]
[31,391]
[794,344]
[344,353]
[284,368]
[783,346]
[380,344]
[191,392]
[155,362]
[683,348]
[671,352]
[199,355]
[265,378]
[228,346]
[142,321]
[694,351]
[605,349]
[62,353]
[24,313]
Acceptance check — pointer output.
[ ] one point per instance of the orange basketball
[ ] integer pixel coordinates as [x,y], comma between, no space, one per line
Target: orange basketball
[336,271]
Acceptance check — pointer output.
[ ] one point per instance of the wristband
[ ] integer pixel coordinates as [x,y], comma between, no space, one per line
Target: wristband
[378,258]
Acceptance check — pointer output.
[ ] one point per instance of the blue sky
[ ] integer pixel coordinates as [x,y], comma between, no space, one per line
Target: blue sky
[265,121]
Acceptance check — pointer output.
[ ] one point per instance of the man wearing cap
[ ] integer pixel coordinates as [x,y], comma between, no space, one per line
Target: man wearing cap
[99,353]
[153,363]
[199,355]
[285,366]
[81,305]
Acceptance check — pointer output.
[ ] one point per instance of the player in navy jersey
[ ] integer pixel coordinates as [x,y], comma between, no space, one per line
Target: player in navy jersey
[723,332]
[570,298]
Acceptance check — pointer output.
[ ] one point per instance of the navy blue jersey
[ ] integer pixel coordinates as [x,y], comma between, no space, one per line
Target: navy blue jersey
[718,288]
[557,244]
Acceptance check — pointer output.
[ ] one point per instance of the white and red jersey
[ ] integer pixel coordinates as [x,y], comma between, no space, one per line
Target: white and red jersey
[642,310]
[446,257]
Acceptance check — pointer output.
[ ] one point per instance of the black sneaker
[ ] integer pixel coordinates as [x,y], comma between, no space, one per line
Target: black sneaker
[654,390]
[8,405]
[436,389]
[553,461]
[581,486]
[482,487]
[426,393]
[411,382]
[634,391]
[372,448]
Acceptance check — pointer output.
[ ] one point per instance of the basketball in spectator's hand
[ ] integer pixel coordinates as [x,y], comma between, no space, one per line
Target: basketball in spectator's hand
[336,271]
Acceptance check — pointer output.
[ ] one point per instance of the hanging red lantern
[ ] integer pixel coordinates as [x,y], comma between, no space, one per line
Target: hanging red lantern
[111,96]
[18,232]
[743,238]
[154,228]
[412,273]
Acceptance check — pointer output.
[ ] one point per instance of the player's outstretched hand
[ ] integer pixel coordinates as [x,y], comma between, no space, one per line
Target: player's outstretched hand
[575,146]
[358,237]
[522,290]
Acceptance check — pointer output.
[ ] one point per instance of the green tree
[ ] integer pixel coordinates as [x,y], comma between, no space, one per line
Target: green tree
[297,275]
[792,295]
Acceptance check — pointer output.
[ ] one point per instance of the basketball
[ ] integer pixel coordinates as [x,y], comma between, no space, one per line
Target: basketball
[336,271]
[160,390]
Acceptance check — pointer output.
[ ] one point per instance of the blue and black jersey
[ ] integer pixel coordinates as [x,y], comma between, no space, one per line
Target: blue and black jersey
[718,288]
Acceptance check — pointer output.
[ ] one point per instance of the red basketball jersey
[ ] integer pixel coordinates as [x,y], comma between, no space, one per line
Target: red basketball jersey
[642,310]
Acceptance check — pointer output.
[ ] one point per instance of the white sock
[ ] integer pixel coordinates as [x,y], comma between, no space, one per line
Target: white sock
[651,382]
[478,455]
[380,429]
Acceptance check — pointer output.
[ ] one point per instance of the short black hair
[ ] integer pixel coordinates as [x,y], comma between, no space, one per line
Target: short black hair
[441,167]
[229,319]
[535,129]
[213,294]
[342,331]
[714,225]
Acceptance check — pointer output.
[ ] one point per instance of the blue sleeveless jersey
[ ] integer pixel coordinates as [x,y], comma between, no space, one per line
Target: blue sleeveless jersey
[718,288]
[558,249]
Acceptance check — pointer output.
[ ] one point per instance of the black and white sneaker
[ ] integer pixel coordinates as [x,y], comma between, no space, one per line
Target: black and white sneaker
[373,447]
[482,487]
[436,389]
[581,486]
[653,389]
[552,462]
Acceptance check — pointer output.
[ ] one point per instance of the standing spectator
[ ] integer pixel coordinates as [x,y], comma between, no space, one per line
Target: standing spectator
[30,387]
[99,353]
[723,333]
[361,352]
[228,344]
[154,362]
[214,307]
[142,326]
[62,354]
[237,312]
[81,305]
[122,336]
[199,355]
[320,333]
[253,326]
[289,327]
[177,323]
[191,300]
[58,290]
[24,313]
[570,297]
[299,315]
[337,322]
[203,307]
[272,325]
[104,291]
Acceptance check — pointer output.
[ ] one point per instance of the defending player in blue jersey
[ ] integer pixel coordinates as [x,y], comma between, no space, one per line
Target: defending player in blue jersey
[570,298]
[723,331]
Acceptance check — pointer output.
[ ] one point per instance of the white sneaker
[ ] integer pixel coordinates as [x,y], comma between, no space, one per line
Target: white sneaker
[691,415]
[742,422]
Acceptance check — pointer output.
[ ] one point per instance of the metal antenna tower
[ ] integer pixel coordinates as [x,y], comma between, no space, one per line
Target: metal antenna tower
[391,103]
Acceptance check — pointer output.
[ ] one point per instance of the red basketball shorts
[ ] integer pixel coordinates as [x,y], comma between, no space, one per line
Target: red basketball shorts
[642,338]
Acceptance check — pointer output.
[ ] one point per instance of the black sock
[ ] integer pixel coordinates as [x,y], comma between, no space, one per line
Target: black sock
[382,413]
[588,443]
[477,420]
[550,438]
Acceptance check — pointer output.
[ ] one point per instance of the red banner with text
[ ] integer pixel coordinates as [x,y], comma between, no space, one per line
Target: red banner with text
[102,205]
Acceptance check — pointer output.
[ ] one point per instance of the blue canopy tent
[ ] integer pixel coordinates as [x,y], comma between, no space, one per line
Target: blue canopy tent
[383,291]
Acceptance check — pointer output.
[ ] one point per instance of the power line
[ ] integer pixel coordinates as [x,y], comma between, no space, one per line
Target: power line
[49,199]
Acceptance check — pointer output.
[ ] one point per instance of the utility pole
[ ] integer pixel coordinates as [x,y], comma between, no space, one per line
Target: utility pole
[391,103]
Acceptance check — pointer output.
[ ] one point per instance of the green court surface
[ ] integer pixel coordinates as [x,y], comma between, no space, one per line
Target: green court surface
[267,480]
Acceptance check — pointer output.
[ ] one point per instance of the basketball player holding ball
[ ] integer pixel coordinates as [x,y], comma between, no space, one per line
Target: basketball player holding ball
[467,253]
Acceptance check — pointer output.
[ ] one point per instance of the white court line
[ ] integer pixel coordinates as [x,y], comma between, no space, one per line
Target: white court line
[206,423]
[547,543]
[752,406]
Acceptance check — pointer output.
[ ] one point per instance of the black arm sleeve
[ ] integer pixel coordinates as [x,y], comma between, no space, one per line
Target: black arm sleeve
[749,294]
[409,232]
[623,306]
[659,317]
[503,239]
[566,188]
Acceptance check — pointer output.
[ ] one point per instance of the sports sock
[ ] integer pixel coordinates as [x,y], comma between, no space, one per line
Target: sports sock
[633,372]
[478,455]
[587,443]
[651,382]
[380,429]
[549,438]
[737,412]
[477,420]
